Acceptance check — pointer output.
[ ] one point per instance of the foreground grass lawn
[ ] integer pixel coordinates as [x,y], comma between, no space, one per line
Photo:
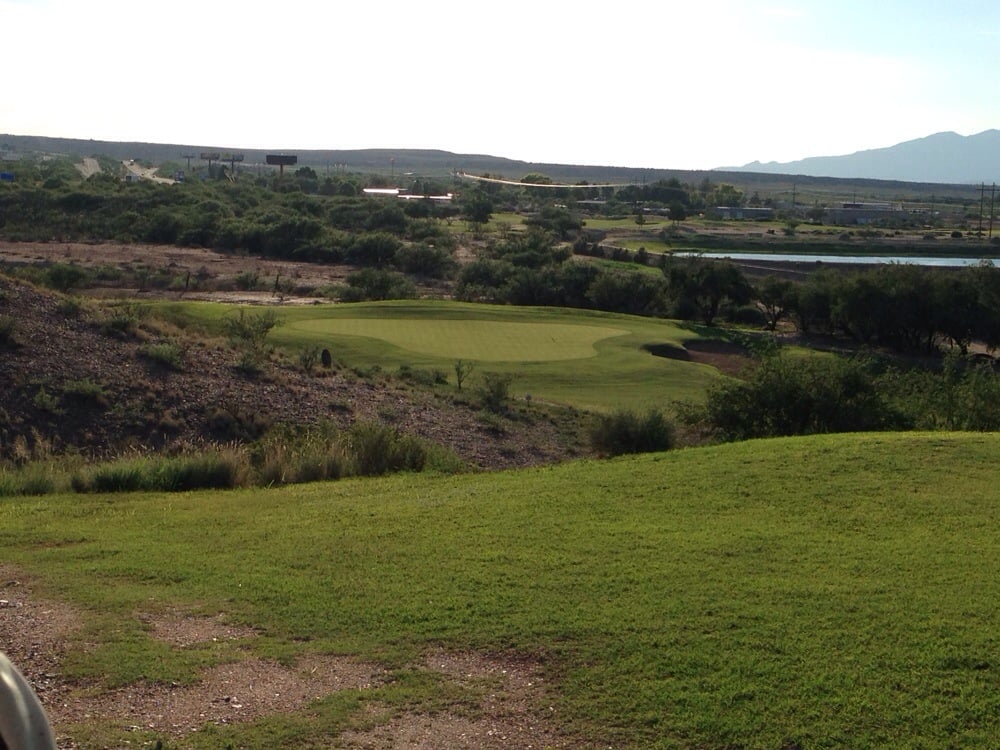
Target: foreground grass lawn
[586,359]
[835,591]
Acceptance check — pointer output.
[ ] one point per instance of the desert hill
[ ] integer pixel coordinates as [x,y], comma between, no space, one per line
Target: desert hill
[942,158]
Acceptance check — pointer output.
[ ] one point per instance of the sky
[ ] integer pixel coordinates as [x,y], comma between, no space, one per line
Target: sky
[667,84]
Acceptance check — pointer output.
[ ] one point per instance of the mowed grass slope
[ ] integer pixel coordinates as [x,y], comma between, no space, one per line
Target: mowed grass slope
[822,592]
[586,359]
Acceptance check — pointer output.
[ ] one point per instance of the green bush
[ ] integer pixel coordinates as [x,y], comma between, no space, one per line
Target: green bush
[625,431]
[216,469]
[422,377]
[494,391]
[8,325]
[65,276]
[123,319]
[801,396]
[292,456]
[71,307]
[248,333]
[379,449]
[86,391]
[372,284]
[965,395]
[167,354]
[309,356]
[426,260]
[126,475]
[222,469]
[44,401]
[34,479]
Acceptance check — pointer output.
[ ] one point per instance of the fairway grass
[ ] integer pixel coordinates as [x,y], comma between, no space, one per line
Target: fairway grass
[823,592]
[585,359]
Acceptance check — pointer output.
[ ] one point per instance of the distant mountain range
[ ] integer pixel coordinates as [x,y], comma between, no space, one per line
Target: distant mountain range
[942,157]
[921,165]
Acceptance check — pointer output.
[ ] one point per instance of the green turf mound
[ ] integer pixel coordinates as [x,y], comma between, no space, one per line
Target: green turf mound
[481,340]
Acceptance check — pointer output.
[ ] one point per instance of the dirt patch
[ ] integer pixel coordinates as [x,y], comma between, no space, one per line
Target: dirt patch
[88,167]
[225,694]
[33,635]
[510,712]
[183,630]
[508,690]
[199,262]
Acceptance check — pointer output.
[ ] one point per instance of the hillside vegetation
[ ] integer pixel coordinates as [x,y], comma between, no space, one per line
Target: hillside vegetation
[715,597]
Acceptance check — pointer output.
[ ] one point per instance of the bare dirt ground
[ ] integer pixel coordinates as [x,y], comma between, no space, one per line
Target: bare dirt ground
[209,264]
[505,707]
[88,167]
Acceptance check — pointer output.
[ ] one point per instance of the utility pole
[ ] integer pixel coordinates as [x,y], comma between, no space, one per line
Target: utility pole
[982,197]
[993,192]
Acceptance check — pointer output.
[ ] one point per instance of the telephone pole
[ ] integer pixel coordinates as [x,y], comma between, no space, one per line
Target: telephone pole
[993,192]
[982,198]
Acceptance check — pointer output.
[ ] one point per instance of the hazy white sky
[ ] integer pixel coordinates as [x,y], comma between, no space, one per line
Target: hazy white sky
[688,85]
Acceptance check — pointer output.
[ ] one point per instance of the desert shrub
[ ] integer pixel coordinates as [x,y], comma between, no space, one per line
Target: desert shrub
[463,368]
[380,449]
[978,397]
[308,357]
[212,469]
[45,401]
[124,475]
[34,479]
[443,460]
[494,391]
[494,423]
[425,260]
[8,325]
[372,284]
[247,281]
[625,431]
[747,315]
[422,377]
[233,422]
[248,333]
[801,396]
[123,319]
[376,249]
[85,391]
[64,276]
[292,455]
[71,307]
[965,395]
[221,469]
[168,354]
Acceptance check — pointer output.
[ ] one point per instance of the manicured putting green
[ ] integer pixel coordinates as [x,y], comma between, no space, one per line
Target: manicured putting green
[481,340]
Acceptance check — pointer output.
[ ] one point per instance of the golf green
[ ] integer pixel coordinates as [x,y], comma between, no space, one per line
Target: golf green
[482,340]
